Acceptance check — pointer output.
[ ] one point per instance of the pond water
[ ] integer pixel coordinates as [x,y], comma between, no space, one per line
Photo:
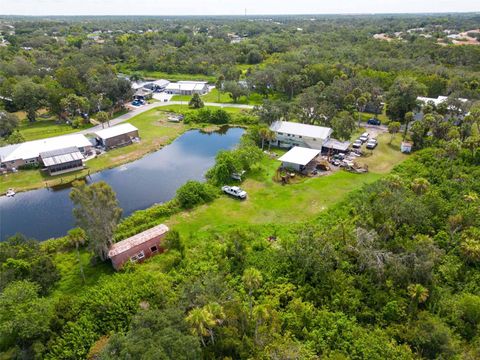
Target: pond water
[47,213]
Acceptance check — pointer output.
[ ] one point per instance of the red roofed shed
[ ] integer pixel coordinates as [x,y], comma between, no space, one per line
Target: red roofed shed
[138,247]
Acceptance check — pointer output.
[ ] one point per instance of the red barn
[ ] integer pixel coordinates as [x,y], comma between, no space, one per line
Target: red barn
[138,247]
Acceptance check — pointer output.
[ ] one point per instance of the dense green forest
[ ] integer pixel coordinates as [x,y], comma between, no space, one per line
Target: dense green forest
[73,66]
[389,272]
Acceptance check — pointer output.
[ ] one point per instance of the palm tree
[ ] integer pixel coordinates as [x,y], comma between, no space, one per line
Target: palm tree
[201,321]
[252,280]
[77,237]
[418,293]
[216,311]
[266,135]
[103,118]
[420,186]
[262,313]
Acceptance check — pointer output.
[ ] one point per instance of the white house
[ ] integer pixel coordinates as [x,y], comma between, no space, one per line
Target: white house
[13,156]
[289,134]
[187,88]
[436,101]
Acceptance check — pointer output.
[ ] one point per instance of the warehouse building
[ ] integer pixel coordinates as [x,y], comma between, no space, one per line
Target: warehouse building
[117,136]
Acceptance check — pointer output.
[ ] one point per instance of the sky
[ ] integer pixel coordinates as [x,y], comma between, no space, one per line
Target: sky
[230,7]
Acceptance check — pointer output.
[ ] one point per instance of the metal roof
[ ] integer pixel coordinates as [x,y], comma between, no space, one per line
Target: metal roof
[311,131]
[337,145]
[61,156]
[113,131]
[137,240]
[32,149]
[299,155]
[437,101]
[187,85]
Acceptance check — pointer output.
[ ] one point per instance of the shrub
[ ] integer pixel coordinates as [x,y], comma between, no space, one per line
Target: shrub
[195,193]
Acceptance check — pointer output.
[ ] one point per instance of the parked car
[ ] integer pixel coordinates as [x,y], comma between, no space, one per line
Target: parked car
[335,162]
[357,144]
[374,121]
[364,137]
[372,144]
[136,103]
[234,191]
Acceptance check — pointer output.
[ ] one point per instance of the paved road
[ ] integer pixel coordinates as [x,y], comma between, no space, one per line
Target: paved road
[144,108]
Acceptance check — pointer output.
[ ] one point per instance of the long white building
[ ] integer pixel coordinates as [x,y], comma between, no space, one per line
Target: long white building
[187,88]
[14,156]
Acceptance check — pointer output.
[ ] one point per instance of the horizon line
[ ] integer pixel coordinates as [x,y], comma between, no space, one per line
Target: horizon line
[247,15]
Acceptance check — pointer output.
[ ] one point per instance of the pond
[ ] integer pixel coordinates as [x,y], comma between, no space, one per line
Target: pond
[47,213]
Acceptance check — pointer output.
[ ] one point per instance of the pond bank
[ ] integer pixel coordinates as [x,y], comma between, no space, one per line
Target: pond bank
[153,179]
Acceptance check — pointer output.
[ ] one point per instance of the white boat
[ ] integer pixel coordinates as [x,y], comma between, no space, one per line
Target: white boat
[10,192]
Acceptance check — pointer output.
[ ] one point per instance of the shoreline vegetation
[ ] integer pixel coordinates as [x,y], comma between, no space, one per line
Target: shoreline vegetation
[155,132]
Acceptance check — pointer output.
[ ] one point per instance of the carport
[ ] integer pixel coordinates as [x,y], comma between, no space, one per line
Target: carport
[298,158]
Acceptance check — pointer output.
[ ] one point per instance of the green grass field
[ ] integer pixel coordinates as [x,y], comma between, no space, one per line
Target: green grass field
[171,77]
[271,202]
[213,97]
[44,128]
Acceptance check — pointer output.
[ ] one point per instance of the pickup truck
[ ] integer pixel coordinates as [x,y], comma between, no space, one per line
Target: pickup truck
[234,191]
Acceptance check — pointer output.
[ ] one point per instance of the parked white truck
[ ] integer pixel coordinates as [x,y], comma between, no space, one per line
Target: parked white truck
[234,191]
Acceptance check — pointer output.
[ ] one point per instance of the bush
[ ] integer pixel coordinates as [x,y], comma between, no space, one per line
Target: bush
[32,166]
[195,193]
[205,115]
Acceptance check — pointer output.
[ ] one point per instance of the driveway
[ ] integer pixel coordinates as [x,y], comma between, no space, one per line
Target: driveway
[144,108]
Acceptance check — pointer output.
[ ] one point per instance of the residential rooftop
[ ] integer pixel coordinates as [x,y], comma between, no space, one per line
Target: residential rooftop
[292,128]
[32,149]
[61,156]
[136,240]
[299,155]
[114,131]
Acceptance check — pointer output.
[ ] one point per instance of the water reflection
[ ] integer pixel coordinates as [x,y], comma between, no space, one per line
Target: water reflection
[47,213]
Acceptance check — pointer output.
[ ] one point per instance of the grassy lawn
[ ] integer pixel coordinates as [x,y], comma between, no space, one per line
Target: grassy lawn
[46,127]
[271,202]
[385,156]
[213,97]
[170,77]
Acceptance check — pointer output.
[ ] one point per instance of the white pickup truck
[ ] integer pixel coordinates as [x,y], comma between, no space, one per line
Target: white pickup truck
[234,191]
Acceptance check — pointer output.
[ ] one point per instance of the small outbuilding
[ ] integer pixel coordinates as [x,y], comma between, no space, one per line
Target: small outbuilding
[117,136]
[62,160]
[298,158]
[138,247]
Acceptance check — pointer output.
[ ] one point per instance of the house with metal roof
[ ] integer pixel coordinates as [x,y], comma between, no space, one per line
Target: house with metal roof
[15,156]
[289,134]
[187,88]
[138,247]
[117,136]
